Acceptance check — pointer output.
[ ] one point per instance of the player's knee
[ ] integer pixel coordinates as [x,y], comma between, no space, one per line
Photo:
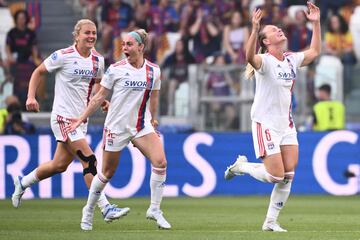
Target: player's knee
[160,163]
[91,160]
[108,172]
[274,178]
[60,167]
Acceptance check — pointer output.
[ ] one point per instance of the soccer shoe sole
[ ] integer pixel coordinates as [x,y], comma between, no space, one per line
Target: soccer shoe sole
[122,213]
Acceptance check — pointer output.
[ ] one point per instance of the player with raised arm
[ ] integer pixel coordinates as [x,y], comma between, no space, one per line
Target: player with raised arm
[273,129]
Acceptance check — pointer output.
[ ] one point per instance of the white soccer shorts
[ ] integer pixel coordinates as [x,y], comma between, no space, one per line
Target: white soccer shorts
[115,142]
[267,141]
[58,123]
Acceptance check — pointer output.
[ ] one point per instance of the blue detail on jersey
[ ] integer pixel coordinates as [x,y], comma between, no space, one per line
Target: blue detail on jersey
[54,56]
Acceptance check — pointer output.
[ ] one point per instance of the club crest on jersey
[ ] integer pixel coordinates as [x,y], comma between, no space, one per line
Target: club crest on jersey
[150,74]
[96,64]
[54,56]
[110,142]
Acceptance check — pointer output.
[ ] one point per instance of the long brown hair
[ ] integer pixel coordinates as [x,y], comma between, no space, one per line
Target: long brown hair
[249,71]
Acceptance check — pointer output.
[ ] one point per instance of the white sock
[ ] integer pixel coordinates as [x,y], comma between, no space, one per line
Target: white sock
[29,179]
[97,186]
[157,180]
[258,171]
[103,201]
[279,196]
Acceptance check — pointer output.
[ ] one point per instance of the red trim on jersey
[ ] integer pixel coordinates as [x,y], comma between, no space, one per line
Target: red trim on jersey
[288,54]
[260,140]
[291,121]
[68,50]
[152,64]
[94,52]
[95,61]
[141,113]
[119,63]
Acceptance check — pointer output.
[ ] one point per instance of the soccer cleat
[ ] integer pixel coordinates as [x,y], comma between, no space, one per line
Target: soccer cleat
[18,192]
[157,215]
[273,226]
[87,218]
[112,212]
[232,170]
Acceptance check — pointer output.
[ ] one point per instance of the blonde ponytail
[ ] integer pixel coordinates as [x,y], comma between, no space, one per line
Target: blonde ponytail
[249,70]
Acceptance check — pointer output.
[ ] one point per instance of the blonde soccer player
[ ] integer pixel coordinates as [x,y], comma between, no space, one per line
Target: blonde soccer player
[78,70]
[273,128]
[131,118]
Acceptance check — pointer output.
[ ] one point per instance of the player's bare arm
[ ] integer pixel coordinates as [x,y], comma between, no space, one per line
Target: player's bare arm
[313,15]
[31,103]
[94,104]
[251,57]
[154,102]
[105,104]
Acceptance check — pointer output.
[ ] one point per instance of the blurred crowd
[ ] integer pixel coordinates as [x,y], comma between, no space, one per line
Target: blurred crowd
[184,32]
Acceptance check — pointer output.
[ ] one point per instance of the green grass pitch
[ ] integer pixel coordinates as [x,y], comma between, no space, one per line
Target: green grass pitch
[241,217]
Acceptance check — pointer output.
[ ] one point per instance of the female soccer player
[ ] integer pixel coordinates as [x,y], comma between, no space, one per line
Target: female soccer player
[273,129]
[132,117]
[78,69]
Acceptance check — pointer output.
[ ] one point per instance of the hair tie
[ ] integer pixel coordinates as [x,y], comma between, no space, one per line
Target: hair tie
[136,36]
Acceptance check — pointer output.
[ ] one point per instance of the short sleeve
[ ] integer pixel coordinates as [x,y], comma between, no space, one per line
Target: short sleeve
[157,80]
[101,70]
[299,58]
[264,64]
[54,61]
[108,78]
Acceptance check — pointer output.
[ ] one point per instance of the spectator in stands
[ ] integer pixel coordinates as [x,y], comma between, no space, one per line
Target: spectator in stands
[116,17]
[163,18]
[141,14]
[15,124]
[272,13]
[219,84]
[3,3]
[299,35]
[22,54]
[90,8]
[177,63]
[339,42]
[205,30]
[328,114]
[235,36]
[332,5]
[4,112]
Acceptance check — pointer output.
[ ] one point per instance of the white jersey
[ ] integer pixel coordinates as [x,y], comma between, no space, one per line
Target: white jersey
[129,106]
[274,88]
[74,79]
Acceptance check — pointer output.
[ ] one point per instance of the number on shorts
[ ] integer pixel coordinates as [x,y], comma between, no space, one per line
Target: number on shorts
[267,134]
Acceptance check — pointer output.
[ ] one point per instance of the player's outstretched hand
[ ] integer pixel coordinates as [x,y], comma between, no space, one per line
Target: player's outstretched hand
[155,124]
[105,106]
[74,123]
[313,13]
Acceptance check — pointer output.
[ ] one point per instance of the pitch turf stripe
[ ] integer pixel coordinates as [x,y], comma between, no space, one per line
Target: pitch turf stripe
[239,231]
